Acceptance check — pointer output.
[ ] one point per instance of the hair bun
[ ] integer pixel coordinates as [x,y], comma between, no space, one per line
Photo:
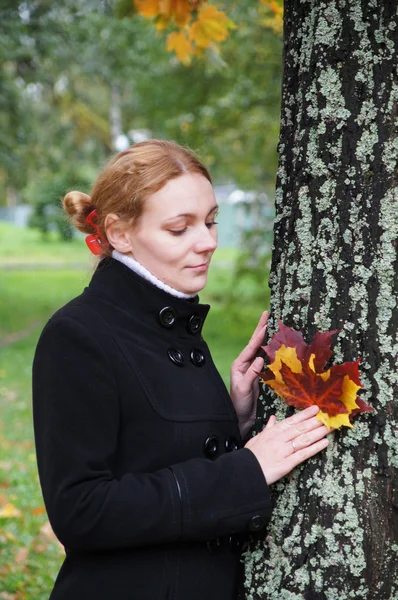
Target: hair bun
[78,205]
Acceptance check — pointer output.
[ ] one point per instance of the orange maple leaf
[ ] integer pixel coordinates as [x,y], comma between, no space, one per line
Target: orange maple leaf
[212,25]
[181,45]
[276,8]
[296,373]
[165,11]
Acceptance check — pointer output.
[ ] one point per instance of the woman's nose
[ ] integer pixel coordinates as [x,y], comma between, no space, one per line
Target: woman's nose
[207,239]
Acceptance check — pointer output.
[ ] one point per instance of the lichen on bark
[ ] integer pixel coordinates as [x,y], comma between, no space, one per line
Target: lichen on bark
[334,530]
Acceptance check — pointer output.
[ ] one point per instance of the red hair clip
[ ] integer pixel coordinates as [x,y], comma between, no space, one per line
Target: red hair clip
[94,241]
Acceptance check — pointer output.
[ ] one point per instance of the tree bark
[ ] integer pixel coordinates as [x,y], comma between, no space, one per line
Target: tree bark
[334,531]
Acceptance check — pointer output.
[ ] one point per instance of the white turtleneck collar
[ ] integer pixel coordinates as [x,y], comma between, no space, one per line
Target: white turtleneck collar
[135,266]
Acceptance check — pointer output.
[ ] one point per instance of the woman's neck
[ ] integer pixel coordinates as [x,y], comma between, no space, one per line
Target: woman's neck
[135,266]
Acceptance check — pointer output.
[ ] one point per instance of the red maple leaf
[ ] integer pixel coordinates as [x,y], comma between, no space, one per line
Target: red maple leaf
[296,373]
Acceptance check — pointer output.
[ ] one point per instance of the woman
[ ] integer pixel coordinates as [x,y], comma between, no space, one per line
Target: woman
[139,445]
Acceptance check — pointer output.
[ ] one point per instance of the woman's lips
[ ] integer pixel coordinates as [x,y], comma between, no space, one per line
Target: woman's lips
[202,267]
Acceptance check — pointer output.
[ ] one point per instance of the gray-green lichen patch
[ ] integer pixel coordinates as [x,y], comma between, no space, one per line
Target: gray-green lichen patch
[330,86]
[329,25]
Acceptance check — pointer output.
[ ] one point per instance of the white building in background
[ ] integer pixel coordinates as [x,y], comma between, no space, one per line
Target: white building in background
[16,215]
[241,211]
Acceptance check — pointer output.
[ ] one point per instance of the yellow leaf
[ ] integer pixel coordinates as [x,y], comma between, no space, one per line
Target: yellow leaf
[179,10]
[147,8]
[288,356]
[212,25]
[349,395]
[325,374]
[334,422]
[178,42]
[9,511]
[165,11]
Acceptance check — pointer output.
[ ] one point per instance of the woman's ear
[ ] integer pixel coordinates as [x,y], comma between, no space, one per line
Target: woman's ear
[118,234]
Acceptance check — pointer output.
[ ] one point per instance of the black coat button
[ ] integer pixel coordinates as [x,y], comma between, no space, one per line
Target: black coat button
[211,446]
[197,357]
[237,541]
[232,443]
[195,324]
[175,356]
[256,523]
[167,317]
[214,546]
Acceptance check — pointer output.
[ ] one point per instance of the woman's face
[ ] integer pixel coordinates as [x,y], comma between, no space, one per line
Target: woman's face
[176,235]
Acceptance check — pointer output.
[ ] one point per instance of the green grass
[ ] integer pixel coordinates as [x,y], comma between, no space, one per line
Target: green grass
[26,246]
[30,556]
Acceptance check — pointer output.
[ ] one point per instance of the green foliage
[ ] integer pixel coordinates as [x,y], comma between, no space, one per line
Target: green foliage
[46,195]
[59,62]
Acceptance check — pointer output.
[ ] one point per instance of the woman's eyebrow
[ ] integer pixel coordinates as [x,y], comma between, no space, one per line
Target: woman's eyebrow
[215,207]
[191,215]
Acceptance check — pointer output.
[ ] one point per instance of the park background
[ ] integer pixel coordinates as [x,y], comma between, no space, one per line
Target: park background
[79,81]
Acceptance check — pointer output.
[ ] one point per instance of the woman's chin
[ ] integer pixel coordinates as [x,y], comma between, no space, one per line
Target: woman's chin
[195,286]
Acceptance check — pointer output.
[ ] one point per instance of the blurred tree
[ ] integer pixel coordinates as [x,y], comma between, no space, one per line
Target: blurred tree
[78,58]
[230,111]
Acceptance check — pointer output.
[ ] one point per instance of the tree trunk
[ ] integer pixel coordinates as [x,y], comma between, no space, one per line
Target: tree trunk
[115,117]
[11,196]
[334,531]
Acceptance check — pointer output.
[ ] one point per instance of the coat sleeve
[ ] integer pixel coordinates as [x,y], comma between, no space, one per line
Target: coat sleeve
[76,422]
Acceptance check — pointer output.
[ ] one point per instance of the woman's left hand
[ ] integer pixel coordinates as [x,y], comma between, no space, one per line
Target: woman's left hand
[245,371]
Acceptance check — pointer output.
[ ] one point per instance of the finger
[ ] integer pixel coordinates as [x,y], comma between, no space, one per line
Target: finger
[301,455]
[262,322]
[271,422]
[257,366]
[307,439]
[249,382]
[258,335]
[249,352]
[261,326]
[302,428]
[299,417]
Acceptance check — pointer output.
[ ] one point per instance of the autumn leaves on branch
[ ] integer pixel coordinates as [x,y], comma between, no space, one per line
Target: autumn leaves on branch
[195,25]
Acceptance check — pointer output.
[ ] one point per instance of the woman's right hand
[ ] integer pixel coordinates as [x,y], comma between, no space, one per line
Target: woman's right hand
[281,446]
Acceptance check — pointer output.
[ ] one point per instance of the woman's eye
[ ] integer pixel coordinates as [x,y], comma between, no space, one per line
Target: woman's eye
[177,231]
[209,225]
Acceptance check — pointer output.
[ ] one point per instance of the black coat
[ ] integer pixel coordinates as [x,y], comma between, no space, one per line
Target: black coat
[140,459]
